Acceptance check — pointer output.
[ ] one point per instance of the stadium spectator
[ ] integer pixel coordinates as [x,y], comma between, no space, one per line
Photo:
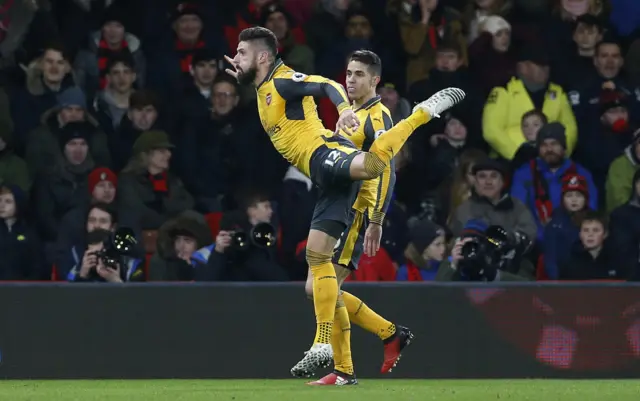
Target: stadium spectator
[46,76]
[446,149]
[530,89]
[291,48]
[399,107]
[64,186]
[532,122]
[563,230]
[21,250]
[230,261]
[625,230]
[593,257]
[149,194]
[170,62]
[491,202]
[102,184]
[578,66]
[112,40]
[600,144]
[423,29]
[607,74]
[492,57]
[477,12]
[326,25]
[112,102]
[13,169]
[184,243]
[94,266]
[425,252]
[196,98]
[71,245]
[538,184]
[45,142]
[619,185]
[143,115]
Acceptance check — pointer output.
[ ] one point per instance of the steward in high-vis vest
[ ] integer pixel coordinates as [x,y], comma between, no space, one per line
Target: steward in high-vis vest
[531,89]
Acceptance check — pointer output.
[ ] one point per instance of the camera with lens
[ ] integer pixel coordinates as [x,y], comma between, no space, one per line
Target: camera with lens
[120,244]
[496,249]
[262,235]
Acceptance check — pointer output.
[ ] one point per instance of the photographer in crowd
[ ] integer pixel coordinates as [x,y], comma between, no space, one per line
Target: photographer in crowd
[245,246]
[107,259]
[487,253]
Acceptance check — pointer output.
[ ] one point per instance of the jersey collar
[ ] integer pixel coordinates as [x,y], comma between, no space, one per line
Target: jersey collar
[369,103]
[277,64]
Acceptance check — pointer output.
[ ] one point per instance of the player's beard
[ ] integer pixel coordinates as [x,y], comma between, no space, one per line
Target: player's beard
[248,76]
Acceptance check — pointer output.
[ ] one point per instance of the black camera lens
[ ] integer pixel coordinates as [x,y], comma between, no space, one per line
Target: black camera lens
[264,235]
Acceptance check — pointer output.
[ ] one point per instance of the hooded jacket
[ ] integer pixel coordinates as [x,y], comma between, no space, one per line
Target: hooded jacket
[164,264]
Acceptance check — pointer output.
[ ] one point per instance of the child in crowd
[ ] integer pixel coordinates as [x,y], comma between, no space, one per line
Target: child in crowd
[564,228]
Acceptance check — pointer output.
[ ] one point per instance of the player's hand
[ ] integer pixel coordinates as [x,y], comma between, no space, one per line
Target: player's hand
[372,238]
[348,122]
[223,240]
[231,71]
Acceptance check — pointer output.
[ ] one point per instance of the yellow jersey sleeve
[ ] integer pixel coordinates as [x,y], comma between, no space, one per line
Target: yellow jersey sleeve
[382,187]
[298,85]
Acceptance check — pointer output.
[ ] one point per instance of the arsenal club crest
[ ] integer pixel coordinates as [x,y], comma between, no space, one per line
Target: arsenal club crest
[268,99]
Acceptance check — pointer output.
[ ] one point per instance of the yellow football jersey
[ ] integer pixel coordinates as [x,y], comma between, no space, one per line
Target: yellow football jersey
[374,195]
[288,112]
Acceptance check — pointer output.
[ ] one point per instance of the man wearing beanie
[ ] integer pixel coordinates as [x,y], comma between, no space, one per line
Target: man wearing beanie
[618,187]
[111,40]
[45,142]
[64,186]
[538,184]
[479,230]
[530,89]
[600,144]
[491,202]
[295,54]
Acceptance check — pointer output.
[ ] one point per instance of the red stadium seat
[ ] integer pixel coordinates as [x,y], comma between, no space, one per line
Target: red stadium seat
[213,220]
[541,274]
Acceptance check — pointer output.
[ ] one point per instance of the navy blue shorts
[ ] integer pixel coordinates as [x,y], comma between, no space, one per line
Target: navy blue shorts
[329,168]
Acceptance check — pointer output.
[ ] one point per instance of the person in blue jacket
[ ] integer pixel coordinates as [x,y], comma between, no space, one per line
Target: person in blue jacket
[538,184]
[564,228]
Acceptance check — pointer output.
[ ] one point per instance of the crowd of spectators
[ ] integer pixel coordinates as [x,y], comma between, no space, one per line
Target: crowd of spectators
[118,113]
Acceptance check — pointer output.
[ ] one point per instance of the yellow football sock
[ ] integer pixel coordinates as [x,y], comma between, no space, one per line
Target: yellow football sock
[361,315]
[341,340]
[325,294]
[387,145]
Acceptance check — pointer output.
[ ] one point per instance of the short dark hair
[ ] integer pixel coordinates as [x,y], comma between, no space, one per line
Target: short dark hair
[105,207]
[143,98]
[370,59]
[98,236]
[537,113]
[56,46]
[124,57]
[607,41]
[596,216]
[226,78]
[250,197]
[264,35]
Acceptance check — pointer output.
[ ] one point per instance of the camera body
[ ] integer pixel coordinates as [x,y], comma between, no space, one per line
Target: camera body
[496,249]
[119,245]
[262,235]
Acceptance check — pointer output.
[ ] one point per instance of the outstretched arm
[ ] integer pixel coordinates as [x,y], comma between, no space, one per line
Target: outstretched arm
[299,85]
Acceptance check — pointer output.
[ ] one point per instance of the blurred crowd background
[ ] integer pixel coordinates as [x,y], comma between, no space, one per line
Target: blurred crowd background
[119,114]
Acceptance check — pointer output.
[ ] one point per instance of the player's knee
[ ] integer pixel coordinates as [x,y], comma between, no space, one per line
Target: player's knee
[315,258]
[373,165]
[308,288]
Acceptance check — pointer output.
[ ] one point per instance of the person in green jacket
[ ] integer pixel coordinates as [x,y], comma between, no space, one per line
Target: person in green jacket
[619,183]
